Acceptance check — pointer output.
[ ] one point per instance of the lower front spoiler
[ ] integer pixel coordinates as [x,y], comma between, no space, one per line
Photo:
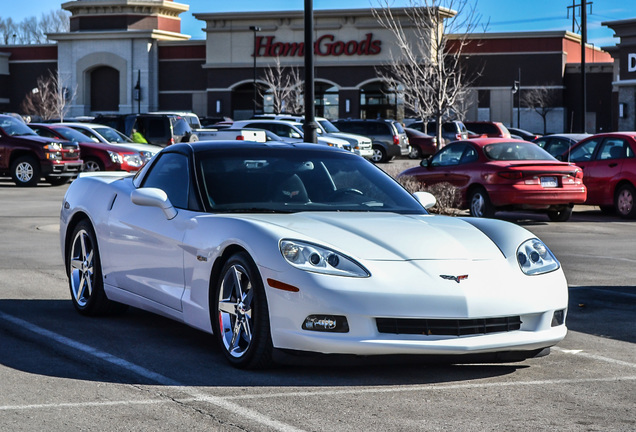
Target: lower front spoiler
[307,358]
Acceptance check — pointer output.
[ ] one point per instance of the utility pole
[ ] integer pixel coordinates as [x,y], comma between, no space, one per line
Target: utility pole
[583,13]
[310,127]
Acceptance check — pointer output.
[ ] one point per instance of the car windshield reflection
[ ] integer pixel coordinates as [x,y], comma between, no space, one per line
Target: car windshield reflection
[272,181]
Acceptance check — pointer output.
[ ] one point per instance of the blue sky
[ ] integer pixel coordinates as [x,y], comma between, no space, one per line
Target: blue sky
[503,15]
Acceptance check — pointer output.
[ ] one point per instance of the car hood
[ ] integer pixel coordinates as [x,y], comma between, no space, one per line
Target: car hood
[386,236]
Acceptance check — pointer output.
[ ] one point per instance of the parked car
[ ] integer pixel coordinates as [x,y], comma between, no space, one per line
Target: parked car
[28,157]
[490,129]
[557,144]
[492,174]
[360,145]
[157,129]
[388,138]
[106,134]
[451,130]
[422,145]
[289,131]
[608,162]
[97,156]
[280,249]
[524,134]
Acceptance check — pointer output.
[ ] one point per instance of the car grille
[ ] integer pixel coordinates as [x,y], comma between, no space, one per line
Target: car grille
[448,327]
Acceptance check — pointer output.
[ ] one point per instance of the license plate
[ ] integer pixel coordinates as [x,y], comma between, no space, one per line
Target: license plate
[549,182]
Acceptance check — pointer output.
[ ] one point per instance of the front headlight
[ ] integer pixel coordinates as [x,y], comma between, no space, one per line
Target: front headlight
[133,161]
[318,259]
[535,258]
[115,157]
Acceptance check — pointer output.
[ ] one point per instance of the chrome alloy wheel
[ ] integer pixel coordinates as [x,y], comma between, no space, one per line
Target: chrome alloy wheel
[625,201]
[24,172]
[91,166]
[235,311]
[82,268]
[477,205]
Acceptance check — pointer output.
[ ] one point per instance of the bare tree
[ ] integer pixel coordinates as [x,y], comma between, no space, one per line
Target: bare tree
[49,99]
[32,30]
[282,84]
[430,36]
[541,100]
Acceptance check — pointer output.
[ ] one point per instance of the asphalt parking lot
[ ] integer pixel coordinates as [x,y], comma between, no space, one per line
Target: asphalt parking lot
[63,372]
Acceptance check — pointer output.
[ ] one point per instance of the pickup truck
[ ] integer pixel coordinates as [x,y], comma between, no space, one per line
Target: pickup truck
[28,158]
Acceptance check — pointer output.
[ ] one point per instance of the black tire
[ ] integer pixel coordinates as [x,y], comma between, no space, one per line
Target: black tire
[624,201]
[92,165]
[57,181]
[560,215]
[239,306]
[479,203]
[25,171]
[608,209]
[379,155]
[84,270]
[415,153]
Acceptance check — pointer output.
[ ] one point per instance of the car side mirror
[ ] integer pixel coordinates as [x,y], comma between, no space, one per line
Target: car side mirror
[426,162]
[153,197]
[427,199]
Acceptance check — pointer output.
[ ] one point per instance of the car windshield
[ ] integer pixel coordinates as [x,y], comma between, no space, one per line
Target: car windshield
[297,180]
[516,151]
[112,135]
[14,127]
[328,126]
[73,135]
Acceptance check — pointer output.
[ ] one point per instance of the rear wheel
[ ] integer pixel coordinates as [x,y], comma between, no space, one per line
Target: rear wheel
[379,155]
[240,317]
[480,205]
[25,171]
[624,201]
[560,215]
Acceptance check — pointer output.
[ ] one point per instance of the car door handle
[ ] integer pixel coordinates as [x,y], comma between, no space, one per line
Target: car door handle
[612,165]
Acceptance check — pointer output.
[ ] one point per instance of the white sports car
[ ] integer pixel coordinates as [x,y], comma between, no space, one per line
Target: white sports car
[298,249]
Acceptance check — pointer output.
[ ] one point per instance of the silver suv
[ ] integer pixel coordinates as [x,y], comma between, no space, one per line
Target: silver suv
[388,137]
[360,145]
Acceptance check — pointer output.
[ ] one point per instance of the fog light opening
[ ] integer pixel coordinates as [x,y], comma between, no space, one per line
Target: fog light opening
[326,323]
[558,318]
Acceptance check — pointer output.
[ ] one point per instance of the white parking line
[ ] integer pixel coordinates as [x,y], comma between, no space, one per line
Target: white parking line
[226,401]
[139,370]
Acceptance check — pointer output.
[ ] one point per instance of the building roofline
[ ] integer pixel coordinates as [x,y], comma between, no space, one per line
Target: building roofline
[318,13]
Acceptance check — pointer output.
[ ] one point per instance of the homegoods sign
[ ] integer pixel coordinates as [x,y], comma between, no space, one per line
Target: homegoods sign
[325,46]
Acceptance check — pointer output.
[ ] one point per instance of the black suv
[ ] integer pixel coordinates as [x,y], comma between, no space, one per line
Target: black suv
[388,137]
[158,129]
[27,157]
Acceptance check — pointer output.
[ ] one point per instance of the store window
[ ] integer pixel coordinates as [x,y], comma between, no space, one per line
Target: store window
[379,100]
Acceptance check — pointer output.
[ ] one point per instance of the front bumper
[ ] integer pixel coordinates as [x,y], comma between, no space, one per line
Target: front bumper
[63,168]
[415,290]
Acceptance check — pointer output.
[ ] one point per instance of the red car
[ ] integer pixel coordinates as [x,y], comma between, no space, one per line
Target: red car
[422,145]
[489,129]
[500,174]
[609,165]
[97,156]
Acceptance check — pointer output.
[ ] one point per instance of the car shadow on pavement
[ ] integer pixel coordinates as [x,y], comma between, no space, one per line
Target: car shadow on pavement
[182,354]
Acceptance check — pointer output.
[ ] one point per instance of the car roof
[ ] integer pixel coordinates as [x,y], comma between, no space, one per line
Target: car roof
[481,142]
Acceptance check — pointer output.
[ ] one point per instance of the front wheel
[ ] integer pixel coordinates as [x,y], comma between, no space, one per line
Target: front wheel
[240,317]
[415,153]
[85,273]
[480,205]
[25,171]
[91,165]
[560,215]
[624,201]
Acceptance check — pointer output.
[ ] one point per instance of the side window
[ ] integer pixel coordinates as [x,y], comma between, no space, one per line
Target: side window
[541,142]
[43,132]
[470,155]
[585,151]
[558,146]
[449,156]
[171,174]
[612,148]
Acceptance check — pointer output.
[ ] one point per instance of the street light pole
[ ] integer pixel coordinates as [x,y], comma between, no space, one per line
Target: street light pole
[310,127]
[254,29]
